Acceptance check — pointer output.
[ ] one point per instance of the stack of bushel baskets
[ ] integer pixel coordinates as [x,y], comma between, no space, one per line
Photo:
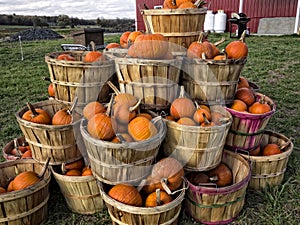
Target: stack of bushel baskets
[145,134]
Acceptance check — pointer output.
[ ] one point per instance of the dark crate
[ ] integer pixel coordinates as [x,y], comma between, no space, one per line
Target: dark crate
[86,35]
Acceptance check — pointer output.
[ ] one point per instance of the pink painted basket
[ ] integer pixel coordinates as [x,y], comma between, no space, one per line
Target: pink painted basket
[247,129]
[212,205]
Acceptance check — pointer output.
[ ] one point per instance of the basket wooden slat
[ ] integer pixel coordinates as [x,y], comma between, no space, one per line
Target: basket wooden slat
[56,142]
[81,193]
[27,206]
[211,82]
[210,205]
[123,214]
[153,81]
[87,81]
[127,162]
[247,129]
[197,148]
[179,26]
[269,170]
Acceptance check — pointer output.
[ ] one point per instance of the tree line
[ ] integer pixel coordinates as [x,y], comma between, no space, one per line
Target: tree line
[113,25]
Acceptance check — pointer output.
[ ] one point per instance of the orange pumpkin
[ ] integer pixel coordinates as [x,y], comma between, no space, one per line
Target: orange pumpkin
[132,36]
[86,171]
[94,55]
[93,108]
[100,126]
[186,121]
[124,39]
[73,172]
[38,115]
[167,170]
[66,57]
[140,128]
[243,82]
[112,45]
[27,155]
[237,49]
[169,4]
[198,115]
[271,149]
[51,91]
[152,199]
[187,5]
[246,95]
[126,194]
[78,164]
[200,49]
[239,105]
[62,117]
[149,46]
[24,180]
[260,107]
[221,175]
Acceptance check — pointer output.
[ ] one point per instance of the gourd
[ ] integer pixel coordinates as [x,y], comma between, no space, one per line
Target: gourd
[37,115]
[127,194]
[140,129]
[182,106]
[237,49]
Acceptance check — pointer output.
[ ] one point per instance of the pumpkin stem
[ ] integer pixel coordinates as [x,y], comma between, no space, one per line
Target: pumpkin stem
[113,87]
[16,145]
[70,110]
[199,3]
[243,37]
[173,2]
[220,41]
[206,121]
[45,167]
[201,36]
[120,137]
[132,108]
[141,185]
[182,92]
[34,113]
[214,178]
[158,201]
[262,100]
[93,45]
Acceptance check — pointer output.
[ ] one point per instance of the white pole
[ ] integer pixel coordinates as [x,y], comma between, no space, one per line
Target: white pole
[297,18]
[22,57]
[241,6]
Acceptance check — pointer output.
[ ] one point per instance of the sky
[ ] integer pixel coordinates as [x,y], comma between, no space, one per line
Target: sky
[82,9]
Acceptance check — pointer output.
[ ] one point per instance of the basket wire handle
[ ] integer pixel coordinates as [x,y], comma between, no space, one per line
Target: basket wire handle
[164,181]
[44,169]
[16,145]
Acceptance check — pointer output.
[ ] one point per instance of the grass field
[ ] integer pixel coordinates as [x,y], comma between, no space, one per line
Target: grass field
[273,65]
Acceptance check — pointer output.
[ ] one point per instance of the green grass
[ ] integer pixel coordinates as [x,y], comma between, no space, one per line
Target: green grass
[273,64]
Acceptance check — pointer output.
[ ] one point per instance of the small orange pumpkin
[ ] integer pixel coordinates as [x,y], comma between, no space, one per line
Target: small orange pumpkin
[126,194]
[221,175]
[260,107]
[73,172]
[51,91]
[186,121]
[246,95]
[66,57]
[100,126]
[86,171]
[140,128]
[62,117]
[243,82]
[200,49]
[24,180]
[152,199]
[271,149]
[94,55]
[124,39]
[237,49]
[112,45]
[198,115]
[239,105]
[93,108]
[132,36]
[37,115]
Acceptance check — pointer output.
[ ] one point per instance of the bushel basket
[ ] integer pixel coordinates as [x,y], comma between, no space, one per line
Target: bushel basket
[127,162]
[29,205]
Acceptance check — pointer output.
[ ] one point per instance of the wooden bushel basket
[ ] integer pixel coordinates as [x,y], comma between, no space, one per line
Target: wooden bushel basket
[197,148]
[87,81]
[55,141]
[247,129]
[155,82]
[6,151]
[27,206]
[269,170]
[210,81]
[81,193]
[179,26]
[127,162]
[212,205]
[122,214]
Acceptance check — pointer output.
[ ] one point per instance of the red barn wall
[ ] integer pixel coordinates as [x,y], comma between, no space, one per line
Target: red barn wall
[254,9]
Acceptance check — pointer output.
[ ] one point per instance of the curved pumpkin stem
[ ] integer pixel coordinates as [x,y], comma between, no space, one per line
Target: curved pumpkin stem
[206,121]
[93,45]
[113,87]
[182,92]
[220,41]
[34,113]
[201,36]
[173,2]
[132,108]
[243,37]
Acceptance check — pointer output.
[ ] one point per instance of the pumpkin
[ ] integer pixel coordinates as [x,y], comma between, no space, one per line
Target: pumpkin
[122,137]
[94,55]
[140,128]
[200,49]
[243,83]
[246,95]
[112,45]
[239,105]
[182,106]
[86,171]
[187,5]
[100,126]
[27,155]
[221,175]
[157,198]
[220,57]
[198,115]
[147,115]
[93,108]
[237,49]
[126,194]
[271,149]
[62,117]
[132,36]
[73,172]
[2,190]
[255,152]
[51,91]
[171,118]
[37,115]
[78,164]
[198,178]
[66,57]
[170,4]
[167,170]
[206,122]
[124,39]
[124,113]
[24,180]
[10,186]
[149,46]
[260,107]
[186,121]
